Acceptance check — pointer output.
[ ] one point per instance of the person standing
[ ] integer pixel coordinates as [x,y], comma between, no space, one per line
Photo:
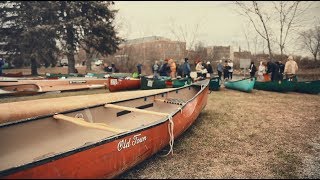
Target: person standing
[139,67]
[199,68]
[281,69]
[155,70]
[1,64]
[273,68]
[220,69]
[252,69]
[173,68]
[209,69]
[226,69]
[291,68]
[163,71]
[186,70]
[230,63]
[261,72]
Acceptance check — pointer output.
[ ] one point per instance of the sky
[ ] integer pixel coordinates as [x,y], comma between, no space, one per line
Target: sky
[210,22]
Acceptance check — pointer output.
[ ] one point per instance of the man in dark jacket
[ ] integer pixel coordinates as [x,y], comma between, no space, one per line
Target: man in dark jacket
[186,68]
[273,68]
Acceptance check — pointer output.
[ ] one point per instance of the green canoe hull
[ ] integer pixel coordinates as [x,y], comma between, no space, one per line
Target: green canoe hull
[311,87]
[277,86]
[245,85]
[150,83]
[181,82]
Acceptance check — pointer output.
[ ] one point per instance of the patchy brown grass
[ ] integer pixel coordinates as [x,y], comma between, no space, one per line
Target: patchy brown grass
[245,135]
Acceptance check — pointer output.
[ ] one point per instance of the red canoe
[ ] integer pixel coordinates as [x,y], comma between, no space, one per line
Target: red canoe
[100,141]
[119,84]
[18,74]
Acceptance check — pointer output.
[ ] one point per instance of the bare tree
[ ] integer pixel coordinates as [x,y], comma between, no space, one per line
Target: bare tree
[290,14]
[311,40]
[185,34]
[259,20]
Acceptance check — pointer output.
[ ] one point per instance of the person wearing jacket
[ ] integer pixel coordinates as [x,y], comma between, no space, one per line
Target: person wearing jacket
[290,68]
[186,68]
[173,68]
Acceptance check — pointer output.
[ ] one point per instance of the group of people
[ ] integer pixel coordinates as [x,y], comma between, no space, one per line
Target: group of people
[203,69]
[110,69]
[226,69]
[274,70]
[170,68]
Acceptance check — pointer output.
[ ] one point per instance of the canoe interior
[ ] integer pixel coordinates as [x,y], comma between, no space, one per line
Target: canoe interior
[35,139]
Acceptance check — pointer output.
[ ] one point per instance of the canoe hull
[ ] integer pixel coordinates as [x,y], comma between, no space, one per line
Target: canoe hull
[120,84]
[278,86]
[310,87]
[111,157]
[245,85]
[56,85]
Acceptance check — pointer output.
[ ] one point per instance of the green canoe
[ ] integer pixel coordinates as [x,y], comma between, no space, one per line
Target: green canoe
[311,87]
[278,86]
[181,82]
[214,84]
[151,83]
[245,85]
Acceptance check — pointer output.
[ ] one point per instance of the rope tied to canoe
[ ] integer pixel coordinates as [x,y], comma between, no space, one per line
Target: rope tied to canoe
[170,130]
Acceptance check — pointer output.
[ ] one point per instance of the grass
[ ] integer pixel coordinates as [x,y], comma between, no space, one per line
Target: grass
[244,135]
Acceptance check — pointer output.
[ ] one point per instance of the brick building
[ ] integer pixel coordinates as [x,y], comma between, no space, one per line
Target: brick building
[147,50]
[219,52]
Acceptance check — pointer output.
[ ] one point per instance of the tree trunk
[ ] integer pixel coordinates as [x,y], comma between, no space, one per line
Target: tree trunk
[269,48]
[88,62]
[71,63]
[34,70]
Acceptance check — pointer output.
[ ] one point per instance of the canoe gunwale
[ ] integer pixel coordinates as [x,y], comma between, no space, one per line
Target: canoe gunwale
[106,140]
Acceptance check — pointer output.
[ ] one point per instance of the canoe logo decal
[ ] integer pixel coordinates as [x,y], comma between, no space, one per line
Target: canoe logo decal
[77,82]
[113,82]
[126,143]
[150,82]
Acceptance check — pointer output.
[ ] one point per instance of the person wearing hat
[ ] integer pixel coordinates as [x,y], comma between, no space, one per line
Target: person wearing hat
[209,68]
[291,68]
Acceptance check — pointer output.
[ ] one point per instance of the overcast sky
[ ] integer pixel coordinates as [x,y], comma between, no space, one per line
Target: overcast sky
[217,21]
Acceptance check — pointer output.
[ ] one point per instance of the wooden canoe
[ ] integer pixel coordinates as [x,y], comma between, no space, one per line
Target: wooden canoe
[41,86]
[99,141]
[245,85]
[119,84]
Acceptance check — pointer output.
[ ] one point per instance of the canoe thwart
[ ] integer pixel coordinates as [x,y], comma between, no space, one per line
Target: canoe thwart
[82,122]
[135,110]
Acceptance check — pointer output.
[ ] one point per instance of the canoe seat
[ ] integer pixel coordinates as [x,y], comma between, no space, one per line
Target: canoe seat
[82,122]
